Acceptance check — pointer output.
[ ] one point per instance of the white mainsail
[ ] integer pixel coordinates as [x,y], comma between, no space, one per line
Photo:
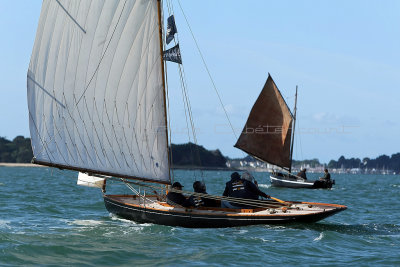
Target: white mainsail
[95,88]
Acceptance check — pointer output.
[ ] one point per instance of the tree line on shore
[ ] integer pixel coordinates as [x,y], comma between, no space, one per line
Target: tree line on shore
[19,150]
[382,162]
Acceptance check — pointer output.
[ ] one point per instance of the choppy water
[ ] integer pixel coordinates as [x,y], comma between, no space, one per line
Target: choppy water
[47,220]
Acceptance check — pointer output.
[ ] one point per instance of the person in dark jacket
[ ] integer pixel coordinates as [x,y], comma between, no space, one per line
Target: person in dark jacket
[235,177]
[174,198]
[241,188]
[302,174]
[196,201]
[327,176]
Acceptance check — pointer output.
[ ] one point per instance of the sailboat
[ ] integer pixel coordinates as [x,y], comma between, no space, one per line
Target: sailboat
[268,135]
[97,102]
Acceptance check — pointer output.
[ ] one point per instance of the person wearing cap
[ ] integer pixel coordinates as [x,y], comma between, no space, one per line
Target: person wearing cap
[302,174]
[196,201]
[174,198]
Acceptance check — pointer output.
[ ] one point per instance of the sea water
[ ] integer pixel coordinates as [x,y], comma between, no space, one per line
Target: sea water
[47,220]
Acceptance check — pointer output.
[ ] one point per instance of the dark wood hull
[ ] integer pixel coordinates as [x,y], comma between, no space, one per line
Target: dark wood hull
[213,219]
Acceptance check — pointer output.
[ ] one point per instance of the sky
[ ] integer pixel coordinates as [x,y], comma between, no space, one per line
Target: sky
[344,56]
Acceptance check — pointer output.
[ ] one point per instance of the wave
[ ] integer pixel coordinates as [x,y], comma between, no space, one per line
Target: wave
[321,235]
[5,224]
[356,229]
[264,185]
[86,222]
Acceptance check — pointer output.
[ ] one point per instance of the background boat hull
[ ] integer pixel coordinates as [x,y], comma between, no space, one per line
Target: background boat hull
[298,183]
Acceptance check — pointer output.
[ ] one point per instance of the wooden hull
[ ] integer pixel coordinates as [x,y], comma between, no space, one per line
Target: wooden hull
[282,181]
[161,213]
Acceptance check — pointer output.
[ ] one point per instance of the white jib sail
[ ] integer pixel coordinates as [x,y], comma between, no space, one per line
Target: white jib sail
[95,91]
[90,181]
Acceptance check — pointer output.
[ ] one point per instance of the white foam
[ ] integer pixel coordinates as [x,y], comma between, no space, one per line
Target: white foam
[264,185]
[86,222]
[4,224]
[263,239]
[321,235]
[131,223]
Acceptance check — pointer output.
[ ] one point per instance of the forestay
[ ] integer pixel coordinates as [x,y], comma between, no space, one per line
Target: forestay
[95,90]
[267,133]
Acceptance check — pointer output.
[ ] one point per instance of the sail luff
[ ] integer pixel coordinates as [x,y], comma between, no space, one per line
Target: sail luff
[163,81]
[267,132]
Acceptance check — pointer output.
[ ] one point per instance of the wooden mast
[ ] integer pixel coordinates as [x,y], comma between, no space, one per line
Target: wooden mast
[294,126]
[160,27]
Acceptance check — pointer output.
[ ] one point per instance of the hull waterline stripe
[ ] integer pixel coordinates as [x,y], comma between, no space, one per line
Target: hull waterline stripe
[293,182]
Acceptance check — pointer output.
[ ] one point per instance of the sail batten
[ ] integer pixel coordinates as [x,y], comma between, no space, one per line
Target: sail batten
[95,97]
[267,132]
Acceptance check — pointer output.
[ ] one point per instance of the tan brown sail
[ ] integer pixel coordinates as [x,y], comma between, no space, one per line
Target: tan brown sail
[268,130]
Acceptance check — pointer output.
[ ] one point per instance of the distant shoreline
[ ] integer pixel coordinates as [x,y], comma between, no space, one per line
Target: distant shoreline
[7,164]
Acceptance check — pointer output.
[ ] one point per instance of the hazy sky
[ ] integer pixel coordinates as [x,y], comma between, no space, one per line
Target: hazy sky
[343,55]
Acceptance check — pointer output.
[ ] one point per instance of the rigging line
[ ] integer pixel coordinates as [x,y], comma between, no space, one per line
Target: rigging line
[163,75]
[136,192]
[209,74]
[230,199]
[105,51]
[192,126]
[253,202]
[168,115]
[299,138]
[186,118]
[169,125]
[186,99]
[187,103]
[183,76]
